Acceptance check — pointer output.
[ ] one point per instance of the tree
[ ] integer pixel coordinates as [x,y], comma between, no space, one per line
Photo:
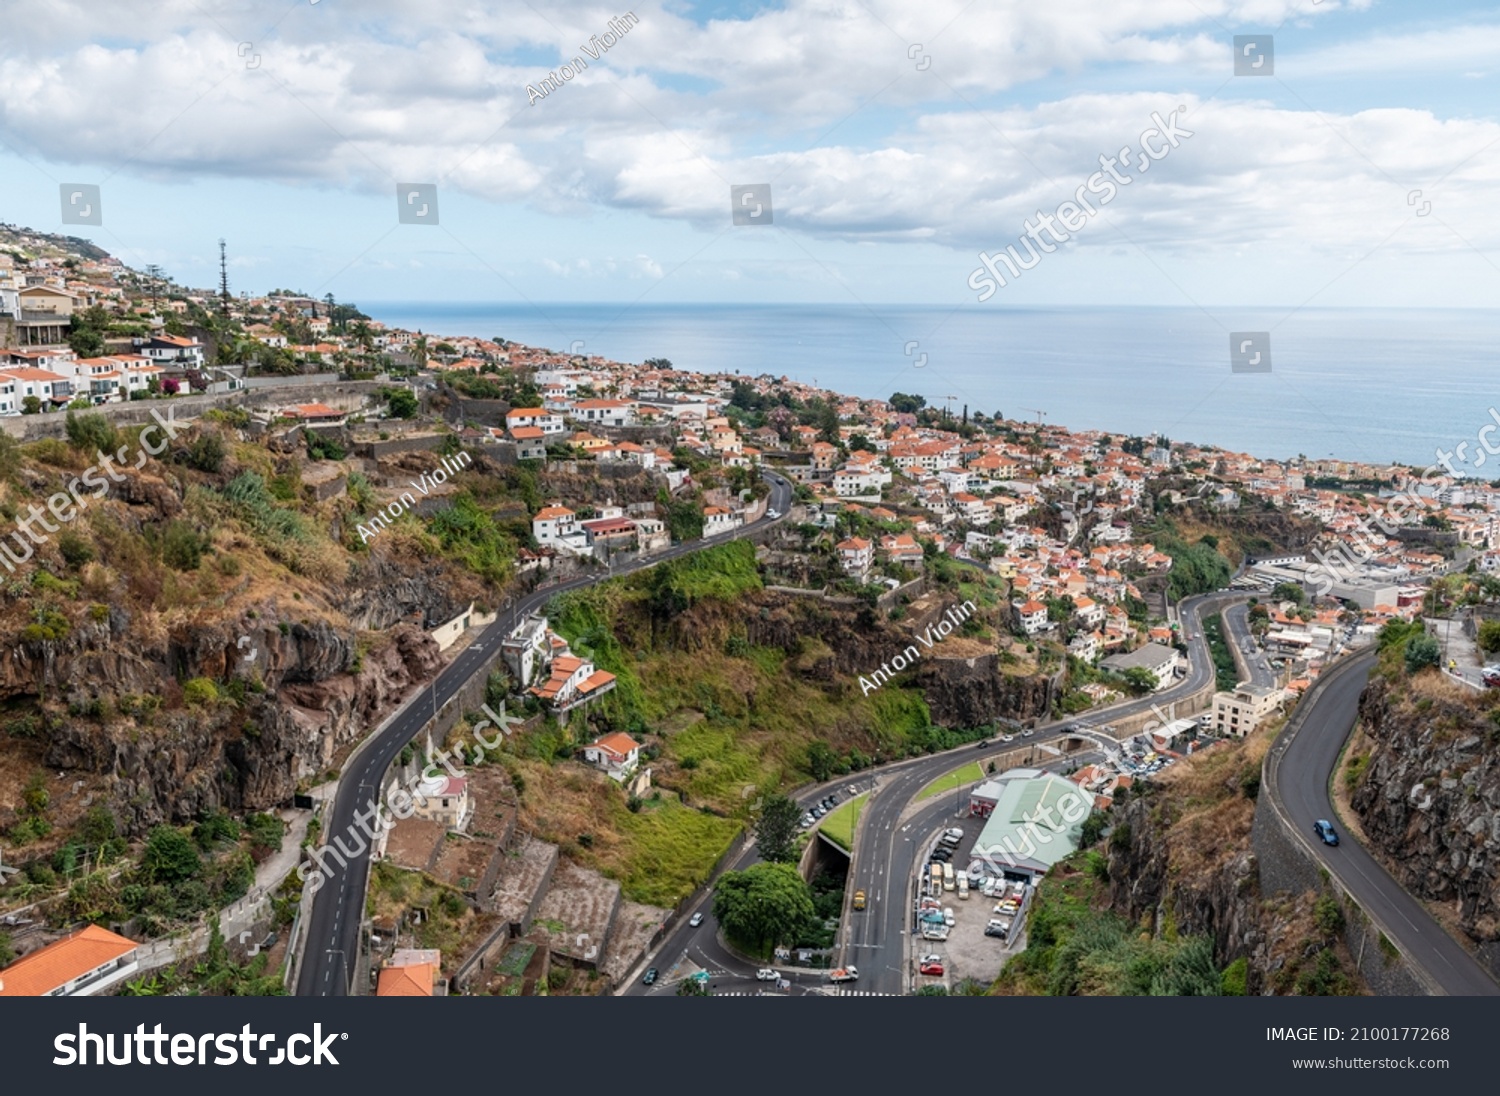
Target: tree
[776,829]
[1289,591]
[658,363]
[1489,636]
[401,402]
[31,405]
[909,404]
[764,905]
[1422,651]
[1140,679]
[170,857]
[821,759]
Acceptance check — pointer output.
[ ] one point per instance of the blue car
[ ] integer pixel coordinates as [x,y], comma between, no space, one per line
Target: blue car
[1325,832]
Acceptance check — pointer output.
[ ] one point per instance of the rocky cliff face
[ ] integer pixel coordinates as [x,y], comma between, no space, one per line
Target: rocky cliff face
[1429,798]
[172,763]
[851,642]
[1180,862]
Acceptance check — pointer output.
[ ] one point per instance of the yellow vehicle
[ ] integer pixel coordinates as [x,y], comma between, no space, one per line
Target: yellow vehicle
[937,878]
[859,900]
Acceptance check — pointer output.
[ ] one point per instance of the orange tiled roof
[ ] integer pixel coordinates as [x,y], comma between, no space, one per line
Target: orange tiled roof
[57,964]
[413,981]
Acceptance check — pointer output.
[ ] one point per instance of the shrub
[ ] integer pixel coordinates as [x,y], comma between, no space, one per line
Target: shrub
[181,546]
[75,550]
[205,452]
[200,692]
[91,433]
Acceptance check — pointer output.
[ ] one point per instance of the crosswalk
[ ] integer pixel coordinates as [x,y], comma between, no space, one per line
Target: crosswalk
[827,993]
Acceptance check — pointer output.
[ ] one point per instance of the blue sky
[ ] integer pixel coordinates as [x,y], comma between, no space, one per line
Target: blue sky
[1359,173]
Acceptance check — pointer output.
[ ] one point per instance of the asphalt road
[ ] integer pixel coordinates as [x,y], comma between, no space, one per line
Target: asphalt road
[885,857]
[1237,629]
[332,937]
[886,849]
[1303,769]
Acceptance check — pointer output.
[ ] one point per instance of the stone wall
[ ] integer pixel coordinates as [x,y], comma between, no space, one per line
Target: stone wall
[344,395]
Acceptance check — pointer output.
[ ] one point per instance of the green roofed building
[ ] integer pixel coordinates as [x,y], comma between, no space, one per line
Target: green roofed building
[1035,822]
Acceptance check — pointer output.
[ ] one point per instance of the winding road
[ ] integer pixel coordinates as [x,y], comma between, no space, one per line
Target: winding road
[332,937]
[886,848]
[1299,771]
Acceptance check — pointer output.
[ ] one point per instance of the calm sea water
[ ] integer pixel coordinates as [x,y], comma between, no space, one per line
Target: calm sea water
[1376,385]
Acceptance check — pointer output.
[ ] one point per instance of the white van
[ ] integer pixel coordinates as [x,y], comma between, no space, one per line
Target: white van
[963,886]
[948,878]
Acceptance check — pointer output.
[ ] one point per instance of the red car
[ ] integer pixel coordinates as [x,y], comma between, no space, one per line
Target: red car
[931,968]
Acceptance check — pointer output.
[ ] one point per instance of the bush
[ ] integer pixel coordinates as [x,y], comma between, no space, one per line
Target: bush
[1328,916]
[75,550]
[200,692]
[1422,651]
[205,452]
[91,432]
[181,546]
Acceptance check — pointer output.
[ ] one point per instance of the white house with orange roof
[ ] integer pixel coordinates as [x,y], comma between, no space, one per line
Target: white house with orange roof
[901,548]
[177,351]
[534,416]
[1031,615]
[553,523]
[717,520]
[615,754]
[573,681]
[82,964]
[856,556]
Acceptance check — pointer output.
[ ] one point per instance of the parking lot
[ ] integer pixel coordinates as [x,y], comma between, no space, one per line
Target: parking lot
[966,953]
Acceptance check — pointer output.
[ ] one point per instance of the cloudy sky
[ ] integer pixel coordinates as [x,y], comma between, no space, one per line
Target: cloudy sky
[899,140]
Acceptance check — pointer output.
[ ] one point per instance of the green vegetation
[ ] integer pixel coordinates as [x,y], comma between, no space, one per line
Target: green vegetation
[968,774]
[1073,949]
[1225,674]
[763,906]
[472,537]
[1196,568]
[776,829]
[839,824]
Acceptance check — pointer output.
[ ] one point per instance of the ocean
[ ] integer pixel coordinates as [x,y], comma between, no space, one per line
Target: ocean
[1374,385]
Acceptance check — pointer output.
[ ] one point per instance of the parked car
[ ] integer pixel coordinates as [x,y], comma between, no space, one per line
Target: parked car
[1491,676]
[998,928]
[766,974]
[650,978]
[954,832]
[1325,832]
[932,957]
[932,969]
[695,920]
[948,918]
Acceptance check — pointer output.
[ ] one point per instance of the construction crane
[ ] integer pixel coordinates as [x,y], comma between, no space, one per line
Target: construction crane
[1040,415]
[948,410]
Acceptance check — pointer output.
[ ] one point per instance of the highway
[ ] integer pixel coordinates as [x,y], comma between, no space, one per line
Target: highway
[886,849]
[332,936]
[1299,772]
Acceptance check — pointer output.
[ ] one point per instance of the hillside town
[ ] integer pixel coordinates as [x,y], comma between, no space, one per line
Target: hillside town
[1077,545]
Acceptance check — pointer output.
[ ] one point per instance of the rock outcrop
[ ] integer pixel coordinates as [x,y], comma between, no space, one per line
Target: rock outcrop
[1429,797]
